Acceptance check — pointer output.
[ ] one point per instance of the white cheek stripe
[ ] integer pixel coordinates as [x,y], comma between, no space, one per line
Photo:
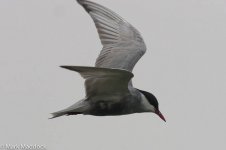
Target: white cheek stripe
[146,104]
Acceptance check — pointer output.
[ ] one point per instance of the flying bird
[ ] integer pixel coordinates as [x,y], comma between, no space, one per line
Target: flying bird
[108,85]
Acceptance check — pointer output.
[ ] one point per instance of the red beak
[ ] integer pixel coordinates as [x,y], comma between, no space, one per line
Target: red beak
[160,115]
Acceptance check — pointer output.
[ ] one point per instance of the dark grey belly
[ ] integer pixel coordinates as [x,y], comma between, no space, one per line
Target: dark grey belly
[110,109]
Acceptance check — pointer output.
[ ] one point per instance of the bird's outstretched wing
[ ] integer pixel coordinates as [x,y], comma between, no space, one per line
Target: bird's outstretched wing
[122,44]
[102,81]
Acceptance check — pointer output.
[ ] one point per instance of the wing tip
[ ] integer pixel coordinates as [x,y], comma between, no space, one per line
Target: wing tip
[67,67]
[80,1]
[83,3]
[73,68]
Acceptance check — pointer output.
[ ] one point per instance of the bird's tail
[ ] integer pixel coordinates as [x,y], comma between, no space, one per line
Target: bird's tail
[57,114]
[78,108]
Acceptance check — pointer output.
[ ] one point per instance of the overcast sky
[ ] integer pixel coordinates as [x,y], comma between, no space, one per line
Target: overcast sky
[184,67]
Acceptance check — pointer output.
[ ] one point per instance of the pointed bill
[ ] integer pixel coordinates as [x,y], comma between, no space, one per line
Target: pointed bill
[160,115]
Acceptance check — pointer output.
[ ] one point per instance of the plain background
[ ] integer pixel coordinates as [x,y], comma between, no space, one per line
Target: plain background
[184,67]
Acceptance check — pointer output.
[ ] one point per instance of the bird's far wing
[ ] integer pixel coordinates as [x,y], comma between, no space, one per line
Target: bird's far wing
[102,81]
[122,44]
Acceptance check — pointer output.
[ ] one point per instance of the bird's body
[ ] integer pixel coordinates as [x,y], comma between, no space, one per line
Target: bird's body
[108,85]
[113,104]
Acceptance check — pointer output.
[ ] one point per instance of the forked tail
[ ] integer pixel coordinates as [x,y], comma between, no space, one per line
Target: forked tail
[59,114]
[78,108]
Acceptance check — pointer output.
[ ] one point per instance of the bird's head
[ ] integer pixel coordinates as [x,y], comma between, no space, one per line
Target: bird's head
[151,103]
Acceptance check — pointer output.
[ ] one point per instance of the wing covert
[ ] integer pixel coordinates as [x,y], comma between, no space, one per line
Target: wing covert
[99,81]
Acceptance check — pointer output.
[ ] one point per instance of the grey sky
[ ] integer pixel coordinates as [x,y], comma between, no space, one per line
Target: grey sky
[184,67]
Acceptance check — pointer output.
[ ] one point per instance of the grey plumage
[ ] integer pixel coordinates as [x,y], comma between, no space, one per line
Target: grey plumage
[108,85]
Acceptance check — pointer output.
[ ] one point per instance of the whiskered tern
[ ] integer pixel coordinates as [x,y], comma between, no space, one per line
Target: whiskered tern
[108,85]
